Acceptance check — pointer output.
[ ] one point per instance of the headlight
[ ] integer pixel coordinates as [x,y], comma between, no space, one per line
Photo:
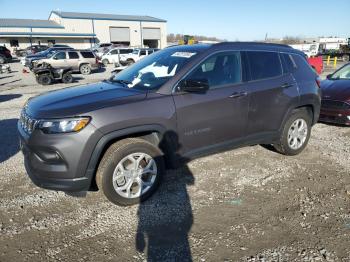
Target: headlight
[55,126]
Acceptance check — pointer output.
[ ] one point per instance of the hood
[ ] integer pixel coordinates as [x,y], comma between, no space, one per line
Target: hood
[36,56]
[336,90]
[75,101]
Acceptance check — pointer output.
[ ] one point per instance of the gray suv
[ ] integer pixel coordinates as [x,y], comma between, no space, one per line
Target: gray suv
[118,136]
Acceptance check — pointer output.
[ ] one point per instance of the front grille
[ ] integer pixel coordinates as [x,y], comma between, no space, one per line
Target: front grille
[27,123]
[333,104]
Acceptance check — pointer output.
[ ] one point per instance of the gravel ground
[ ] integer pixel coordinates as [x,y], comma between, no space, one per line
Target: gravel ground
[249,204]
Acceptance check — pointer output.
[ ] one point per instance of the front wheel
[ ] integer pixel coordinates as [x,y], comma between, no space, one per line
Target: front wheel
[295,134]
[130,171]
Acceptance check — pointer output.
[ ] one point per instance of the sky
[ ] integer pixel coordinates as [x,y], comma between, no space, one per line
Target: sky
[243,20]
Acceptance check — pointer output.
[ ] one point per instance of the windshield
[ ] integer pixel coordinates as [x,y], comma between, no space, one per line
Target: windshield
[342,73]
[51,53]
[153,71]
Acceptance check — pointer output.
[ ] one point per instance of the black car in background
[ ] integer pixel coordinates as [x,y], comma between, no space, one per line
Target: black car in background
[28,61]
[5,55]
[31,50]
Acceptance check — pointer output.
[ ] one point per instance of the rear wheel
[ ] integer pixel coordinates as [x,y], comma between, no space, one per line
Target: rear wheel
[105,62]
[44,79]
[85,69]
[295,134]
[130,171]
[67,78]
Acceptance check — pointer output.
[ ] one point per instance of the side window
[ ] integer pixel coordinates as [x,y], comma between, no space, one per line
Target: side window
[219,69]
[264,64]
[143,52]
[86,54]
[288,63]
[60,56]
[114,52]
[73,55]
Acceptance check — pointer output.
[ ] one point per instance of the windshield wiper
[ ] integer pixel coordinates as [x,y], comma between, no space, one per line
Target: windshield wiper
[121,81]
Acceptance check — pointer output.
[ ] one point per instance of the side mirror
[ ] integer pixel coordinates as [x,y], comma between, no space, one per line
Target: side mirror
[329,76]
[194,86]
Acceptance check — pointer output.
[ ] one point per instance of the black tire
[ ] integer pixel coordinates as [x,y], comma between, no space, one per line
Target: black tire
[282,146]
[44,79]
[2,59]
[67,78]
[114,154]
[129,62]
[346,58]
[85,69]
[105,62]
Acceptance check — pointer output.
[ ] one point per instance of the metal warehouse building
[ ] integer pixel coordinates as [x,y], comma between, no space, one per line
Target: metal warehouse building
[83,30]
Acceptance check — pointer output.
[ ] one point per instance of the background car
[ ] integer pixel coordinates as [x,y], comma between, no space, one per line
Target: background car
[36,49]
[335,106]
[5,55]
[101,48]
[136,55]
[83,61]
[29,59]
[113,55]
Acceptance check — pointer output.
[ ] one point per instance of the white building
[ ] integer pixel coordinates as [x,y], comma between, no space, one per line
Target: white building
[83,30]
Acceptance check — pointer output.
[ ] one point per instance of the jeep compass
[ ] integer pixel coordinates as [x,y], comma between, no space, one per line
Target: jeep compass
[119,135]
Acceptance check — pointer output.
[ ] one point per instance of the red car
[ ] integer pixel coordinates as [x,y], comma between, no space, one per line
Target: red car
[335,106]
[316,63]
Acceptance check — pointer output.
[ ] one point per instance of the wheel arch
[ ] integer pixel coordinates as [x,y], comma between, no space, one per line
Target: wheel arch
[151,133]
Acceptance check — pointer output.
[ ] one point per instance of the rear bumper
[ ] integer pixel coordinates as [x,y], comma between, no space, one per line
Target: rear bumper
[341,117]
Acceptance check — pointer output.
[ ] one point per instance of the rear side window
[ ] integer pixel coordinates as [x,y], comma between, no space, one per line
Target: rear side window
[264,64]
[219,69]
[125,51]
[143,52]
[288,63]
[114,52]
[86,54]
[73,55]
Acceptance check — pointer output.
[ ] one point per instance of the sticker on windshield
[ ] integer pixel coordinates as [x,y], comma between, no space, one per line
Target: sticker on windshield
[183,54]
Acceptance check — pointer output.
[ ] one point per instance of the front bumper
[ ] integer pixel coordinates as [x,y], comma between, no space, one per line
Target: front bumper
[59,161]
[341,117]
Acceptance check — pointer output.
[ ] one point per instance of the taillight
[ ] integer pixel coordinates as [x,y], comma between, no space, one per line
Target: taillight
[318,81]
[96,59]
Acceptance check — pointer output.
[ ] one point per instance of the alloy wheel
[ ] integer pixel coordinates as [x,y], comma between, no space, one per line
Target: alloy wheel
[297,134]
[134,175]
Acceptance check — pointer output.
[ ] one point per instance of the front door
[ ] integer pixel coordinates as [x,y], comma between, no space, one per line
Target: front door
[219,115]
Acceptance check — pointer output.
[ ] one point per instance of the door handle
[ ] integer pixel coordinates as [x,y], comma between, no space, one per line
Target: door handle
[238,94]
[286,85]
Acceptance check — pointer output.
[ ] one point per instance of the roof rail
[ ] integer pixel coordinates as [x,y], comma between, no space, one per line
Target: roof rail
[253,43]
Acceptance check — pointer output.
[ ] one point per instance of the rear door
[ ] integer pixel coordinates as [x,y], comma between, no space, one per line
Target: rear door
[271,91]
[73,60]
[219,115]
